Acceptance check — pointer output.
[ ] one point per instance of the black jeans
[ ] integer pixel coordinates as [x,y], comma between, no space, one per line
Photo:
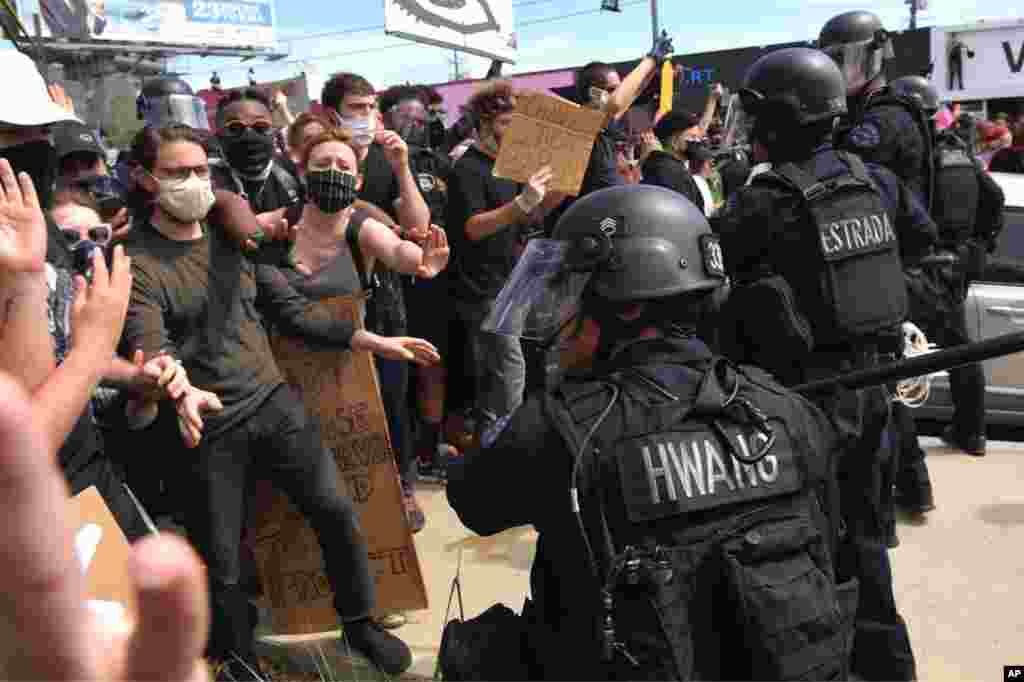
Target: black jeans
[280,440]
[394,389]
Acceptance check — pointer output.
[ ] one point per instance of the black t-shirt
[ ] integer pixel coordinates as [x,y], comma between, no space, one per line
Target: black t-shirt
[197,300]
[385,313]
[431,171]
[481,267]
[281,189]
[661,169]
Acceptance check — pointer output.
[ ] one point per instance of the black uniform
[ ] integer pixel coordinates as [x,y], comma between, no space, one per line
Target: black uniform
[737,557]
[890,134]
[763,235]
[968,210]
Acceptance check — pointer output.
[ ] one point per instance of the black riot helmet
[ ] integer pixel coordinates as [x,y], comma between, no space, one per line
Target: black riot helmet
[168,101]
[859,44]
[784,91]
[918,89]
[626,244]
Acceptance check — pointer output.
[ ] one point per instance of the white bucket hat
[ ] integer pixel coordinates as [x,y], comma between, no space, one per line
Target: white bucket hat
[30,103]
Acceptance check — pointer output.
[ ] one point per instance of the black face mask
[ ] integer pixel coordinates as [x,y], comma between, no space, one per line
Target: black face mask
[39,160]
[249,153]
[331,190]
[415,135]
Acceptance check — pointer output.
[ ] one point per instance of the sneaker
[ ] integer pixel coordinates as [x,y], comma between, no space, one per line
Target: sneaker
[972,445]
[414,515]
[384,650]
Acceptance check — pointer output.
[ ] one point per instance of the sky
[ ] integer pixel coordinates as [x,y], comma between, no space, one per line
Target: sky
[548,39]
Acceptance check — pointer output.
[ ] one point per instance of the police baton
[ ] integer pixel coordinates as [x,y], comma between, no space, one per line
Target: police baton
[937,361]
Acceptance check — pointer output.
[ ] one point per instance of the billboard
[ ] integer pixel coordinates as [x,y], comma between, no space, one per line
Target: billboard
[978,62]
[229,23]
[481,27]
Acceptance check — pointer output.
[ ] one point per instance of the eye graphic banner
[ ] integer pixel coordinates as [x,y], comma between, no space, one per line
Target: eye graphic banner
[481,27]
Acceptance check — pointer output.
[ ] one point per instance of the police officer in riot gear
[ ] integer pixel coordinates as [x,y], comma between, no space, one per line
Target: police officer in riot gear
[880,128]
[665,482]
[169,101]
[814,248]
[967,207]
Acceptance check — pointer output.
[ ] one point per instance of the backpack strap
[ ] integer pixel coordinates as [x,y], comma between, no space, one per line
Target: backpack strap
[794,176]
[355,226]
[288,182]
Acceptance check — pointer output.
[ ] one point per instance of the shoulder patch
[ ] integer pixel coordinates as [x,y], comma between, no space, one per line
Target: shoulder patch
[711,251]
[680,472]
[865,136]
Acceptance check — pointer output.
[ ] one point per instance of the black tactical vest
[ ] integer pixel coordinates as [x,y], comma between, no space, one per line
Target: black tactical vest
[955,203]
[714,568]
[430,170]
[842,259]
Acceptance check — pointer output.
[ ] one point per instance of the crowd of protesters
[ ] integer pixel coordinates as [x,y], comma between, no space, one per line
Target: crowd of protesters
[139,297]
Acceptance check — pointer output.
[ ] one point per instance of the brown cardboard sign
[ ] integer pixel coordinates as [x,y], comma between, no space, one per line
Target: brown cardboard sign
[103,552]
[340,392]
[549,131]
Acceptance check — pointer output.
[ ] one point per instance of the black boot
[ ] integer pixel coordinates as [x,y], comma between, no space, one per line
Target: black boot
[384,650]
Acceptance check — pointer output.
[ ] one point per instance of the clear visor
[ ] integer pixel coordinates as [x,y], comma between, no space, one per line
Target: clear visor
[541,295]
[177,110]
[860,62]
[739,123]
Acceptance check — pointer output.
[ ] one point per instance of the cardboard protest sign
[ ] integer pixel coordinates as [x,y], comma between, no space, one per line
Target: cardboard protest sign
[340,391]
[103,550]
[549,131]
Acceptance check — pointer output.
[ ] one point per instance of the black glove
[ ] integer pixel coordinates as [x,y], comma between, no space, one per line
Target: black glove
[662,48]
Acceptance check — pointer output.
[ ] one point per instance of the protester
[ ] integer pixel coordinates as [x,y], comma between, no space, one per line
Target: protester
[427,300]
[79,153]
[56,636]
[387,182]
[664,156]
[305,128]
[1011,159]
[193,298]
[250,166]
[60,333]
[490,220]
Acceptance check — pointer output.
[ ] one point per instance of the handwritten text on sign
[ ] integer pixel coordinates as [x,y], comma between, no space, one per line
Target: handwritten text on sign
[549,131]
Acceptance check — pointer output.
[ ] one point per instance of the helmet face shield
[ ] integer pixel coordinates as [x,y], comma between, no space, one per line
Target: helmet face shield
[860,62]
[168,110]
[542,294]
[740,119]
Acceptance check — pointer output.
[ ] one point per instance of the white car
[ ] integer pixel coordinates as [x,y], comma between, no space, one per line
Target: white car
[995,306]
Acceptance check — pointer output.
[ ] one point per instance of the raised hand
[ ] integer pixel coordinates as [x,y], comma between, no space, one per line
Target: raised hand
[396,151]
[435,254]
[22,225]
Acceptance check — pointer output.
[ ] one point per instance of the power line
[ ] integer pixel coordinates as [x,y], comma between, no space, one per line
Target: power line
[348,53]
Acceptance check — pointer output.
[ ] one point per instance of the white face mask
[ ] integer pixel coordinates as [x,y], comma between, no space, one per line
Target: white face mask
[186,200]
[363,129]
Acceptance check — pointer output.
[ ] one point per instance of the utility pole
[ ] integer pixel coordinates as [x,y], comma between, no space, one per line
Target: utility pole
[654,20]
[913,15]
[456,63]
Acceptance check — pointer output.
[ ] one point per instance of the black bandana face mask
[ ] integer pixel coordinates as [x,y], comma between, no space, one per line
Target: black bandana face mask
[331,190]
[39,160]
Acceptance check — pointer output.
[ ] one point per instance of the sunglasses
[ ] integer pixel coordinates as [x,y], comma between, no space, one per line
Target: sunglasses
[99,235]
[237,129]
